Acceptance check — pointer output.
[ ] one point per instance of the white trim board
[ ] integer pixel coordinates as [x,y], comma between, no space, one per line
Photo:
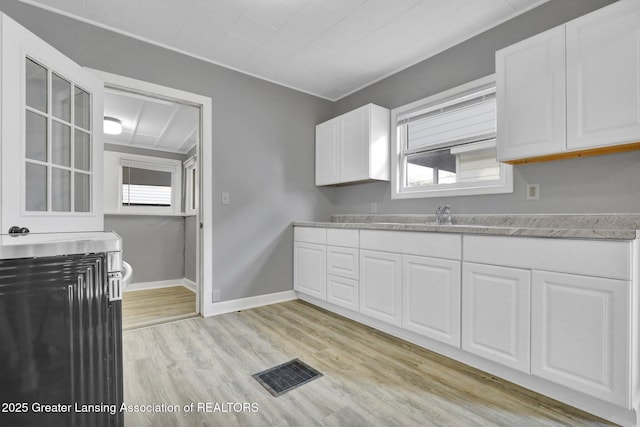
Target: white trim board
[159,284]
[189,285]
[204,296]
[224,307]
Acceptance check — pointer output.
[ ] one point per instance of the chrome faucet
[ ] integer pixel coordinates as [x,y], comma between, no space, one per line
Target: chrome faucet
[443,215]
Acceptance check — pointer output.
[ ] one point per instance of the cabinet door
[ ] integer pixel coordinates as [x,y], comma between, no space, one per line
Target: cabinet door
[309,269]
[495,314]
[603,77]
[327,152]
[579,334]
[431,298]
[354,145]
[530,80]
[51,137]
[381,286]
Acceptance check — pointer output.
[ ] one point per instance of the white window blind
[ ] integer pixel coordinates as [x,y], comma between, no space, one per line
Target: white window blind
[146,187]
[465,119]
[146,195]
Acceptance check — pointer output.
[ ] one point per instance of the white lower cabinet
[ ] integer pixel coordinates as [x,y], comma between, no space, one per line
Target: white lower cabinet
[579,334]
[561,311]
[495,313]
[431,298]
[309,269]
[381,286]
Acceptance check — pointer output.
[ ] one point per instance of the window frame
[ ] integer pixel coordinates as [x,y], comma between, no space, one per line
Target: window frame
[399,153]
[191,186]
[115,161]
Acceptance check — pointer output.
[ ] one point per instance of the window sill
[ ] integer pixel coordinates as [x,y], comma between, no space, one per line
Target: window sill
[148,214]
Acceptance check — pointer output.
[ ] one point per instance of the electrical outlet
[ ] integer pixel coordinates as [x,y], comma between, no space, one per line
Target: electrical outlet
[373,207]
[533,191]
[216,295]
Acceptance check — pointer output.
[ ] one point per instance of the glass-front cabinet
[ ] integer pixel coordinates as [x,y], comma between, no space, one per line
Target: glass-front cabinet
[51,138]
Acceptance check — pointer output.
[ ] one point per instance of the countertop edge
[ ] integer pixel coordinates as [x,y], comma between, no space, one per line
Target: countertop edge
[557,233]
[34,246]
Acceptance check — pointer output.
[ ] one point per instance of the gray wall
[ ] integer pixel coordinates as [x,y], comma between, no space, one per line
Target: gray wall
[263,147]
[599,184]
[153,245]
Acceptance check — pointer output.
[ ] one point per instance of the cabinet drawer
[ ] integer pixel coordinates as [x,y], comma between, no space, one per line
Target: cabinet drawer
[310,235]
[601,258]
[338,237]
[437,245]
[342,262]
[342,292]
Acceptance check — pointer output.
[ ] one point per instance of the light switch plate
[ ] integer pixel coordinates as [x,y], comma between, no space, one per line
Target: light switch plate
[224,198]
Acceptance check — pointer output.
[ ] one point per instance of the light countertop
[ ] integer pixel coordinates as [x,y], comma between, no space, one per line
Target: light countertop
[570,226]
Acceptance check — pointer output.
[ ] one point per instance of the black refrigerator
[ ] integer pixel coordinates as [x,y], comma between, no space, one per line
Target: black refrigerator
[60,342]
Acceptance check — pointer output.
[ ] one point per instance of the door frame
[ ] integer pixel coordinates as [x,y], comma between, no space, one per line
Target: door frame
[204,275]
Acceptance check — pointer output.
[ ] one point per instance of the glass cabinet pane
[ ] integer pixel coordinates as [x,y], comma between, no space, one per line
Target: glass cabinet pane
[61,144]
[82,109]
[60,190]
[36,137]
[82,151]
[82,196]
[36,187]
[61,98]
[36,85]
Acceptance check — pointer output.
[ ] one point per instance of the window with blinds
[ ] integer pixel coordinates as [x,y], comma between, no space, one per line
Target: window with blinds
[446,145]
[145,187]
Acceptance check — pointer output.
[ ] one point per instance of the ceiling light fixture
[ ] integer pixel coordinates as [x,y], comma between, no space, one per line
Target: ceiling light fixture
[112,126]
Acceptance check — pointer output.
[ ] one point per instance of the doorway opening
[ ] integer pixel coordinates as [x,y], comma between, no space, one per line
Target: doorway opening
[153,196]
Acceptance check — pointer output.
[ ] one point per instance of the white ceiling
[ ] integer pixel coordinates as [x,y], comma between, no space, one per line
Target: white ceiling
[152,123]
[328,48]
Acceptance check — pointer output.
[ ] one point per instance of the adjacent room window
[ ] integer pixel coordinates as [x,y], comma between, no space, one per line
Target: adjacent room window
[145,187]
[139,184]
[446,145]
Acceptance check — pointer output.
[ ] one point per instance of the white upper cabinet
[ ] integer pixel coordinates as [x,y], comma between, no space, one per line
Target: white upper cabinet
[530,80]
[603,77]
[353,147]
[598,56]
[50,138]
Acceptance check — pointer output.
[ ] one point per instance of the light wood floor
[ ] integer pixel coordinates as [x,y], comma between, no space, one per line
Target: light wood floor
[370,378]
[155,306]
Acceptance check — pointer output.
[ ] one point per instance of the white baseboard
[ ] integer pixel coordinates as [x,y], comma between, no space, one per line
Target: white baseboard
[189,285]
[223,307]
[141,286]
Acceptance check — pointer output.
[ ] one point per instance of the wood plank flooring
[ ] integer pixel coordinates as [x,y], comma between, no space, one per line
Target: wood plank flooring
[155,306]
[370,378]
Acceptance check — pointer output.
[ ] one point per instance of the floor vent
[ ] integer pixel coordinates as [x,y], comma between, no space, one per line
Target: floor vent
[283,378]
